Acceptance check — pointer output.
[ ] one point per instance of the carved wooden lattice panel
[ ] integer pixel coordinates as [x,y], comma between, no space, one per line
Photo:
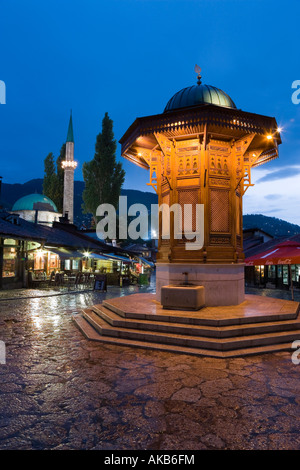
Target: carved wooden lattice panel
[219,161]
[188,196]
[219,210]
[187,153]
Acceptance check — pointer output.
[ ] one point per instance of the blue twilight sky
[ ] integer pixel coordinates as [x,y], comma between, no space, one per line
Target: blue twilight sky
[128,57]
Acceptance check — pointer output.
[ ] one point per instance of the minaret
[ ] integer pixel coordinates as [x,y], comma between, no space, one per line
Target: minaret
[69,166]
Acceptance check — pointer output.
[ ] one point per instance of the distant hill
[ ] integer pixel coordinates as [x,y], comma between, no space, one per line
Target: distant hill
[12,192]
[271,225]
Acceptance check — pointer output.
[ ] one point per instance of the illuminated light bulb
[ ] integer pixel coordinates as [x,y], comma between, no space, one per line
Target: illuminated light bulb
[269,137]
[68,164]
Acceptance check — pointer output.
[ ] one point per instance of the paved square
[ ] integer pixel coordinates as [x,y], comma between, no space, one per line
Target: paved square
[60,391]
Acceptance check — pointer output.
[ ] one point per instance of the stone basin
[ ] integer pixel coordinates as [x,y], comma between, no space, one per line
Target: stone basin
[183,297]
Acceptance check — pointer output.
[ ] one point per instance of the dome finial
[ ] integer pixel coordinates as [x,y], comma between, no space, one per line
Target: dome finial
[198,72]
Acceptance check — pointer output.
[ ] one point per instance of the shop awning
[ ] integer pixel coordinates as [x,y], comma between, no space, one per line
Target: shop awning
[97,256]
[284,253]
[65,254]
[145,261]
[118,258]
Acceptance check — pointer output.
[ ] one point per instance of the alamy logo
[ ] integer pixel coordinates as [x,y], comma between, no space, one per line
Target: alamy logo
[295,355]
[2,92]
[295,94]
[187,221]
[2,353]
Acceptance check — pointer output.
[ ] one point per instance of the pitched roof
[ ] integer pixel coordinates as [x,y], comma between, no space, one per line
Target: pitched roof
[15,227]
[61,235]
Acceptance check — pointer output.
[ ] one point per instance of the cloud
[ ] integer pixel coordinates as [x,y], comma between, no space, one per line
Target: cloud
[277,194]
[280,174]
[272,211]
[273,197]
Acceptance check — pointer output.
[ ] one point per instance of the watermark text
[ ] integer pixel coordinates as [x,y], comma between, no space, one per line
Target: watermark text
[2,353]
[2,92]
[177,221]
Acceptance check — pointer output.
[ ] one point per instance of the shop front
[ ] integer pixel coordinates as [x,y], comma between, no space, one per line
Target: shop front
[279,267]
[14,260]
[116,268]
[12,272]
[45,263]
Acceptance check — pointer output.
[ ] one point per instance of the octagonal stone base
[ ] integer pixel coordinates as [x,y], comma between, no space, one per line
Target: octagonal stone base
[224,283]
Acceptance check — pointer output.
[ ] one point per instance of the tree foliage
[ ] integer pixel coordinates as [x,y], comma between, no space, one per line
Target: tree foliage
[50,177]
[103,176]
[53,184]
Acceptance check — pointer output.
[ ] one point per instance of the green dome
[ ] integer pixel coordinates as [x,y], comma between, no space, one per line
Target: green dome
[198,95]
[34,202]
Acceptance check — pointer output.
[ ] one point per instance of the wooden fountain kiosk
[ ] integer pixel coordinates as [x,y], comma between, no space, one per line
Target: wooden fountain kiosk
[201,150]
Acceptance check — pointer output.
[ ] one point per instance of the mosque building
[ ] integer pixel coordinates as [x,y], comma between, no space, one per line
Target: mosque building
[37,208]
[41,209]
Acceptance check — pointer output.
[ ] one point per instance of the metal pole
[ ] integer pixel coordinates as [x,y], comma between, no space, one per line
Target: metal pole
[292,286]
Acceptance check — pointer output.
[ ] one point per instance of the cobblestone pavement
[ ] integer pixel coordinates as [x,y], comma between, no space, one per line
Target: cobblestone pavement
[276,293]
[60,391]
[36,293]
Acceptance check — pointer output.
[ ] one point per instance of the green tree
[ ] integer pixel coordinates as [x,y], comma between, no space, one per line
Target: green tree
[50,177]
[103,176]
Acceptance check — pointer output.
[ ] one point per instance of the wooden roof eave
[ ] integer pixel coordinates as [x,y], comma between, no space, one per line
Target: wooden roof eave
[189,118]
[270,154]
[139,161]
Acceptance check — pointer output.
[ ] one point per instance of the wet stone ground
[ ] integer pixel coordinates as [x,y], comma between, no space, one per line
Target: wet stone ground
[60,391]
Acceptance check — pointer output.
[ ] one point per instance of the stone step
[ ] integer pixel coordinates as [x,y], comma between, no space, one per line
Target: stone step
[115,320]
[191,341]
[91,334]
[256,310]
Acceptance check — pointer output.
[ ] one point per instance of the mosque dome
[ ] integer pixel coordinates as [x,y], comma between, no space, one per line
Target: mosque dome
[34,202]
[199,94]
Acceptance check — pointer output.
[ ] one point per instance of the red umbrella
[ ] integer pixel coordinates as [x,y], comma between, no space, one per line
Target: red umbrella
[287,252]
